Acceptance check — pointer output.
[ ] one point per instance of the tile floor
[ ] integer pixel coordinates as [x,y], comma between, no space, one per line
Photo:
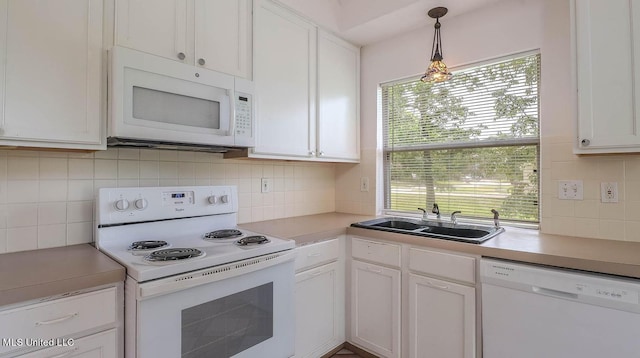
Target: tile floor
[345,353]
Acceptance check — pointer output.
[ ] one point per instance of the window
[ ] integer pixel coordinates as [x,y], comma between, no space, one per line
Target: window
[468,144]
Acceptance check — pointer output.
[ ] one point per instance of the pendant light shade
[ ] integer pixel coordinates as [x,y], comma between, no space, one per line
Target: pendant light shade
[437,70]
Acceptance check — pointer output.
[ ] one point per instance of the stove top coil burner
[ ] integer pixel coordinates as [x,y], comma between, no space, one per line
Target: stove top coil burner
[148,245]
[173,254]
[253,240]
[222,234]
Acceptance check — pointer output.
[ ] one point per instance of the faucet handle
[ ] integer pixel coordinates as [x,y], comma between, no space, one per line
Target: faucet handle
[436,209]
[454,218]
[496,217]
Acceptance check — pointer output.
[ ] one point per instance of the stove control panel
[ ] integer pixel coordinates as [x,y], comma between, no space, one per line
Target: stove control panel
[178,198]
[126,205]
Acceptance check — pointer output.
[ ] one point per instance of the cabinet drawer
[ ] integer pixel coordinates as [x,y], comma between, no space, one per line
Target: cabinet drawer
[451,266]
[59,318]
[103,345]
[316,254]
[387,254]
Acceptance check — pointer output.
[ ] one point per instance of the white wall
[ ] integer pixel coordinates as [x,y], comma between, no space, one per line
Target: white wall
[508,27]
[46,198]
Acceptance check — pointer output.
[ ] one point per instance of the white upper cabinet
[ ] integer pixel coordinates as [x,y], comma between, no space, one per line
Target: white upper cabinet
[607,34]
[307,89]
[214,34]
[338,98]
[285,79]
[52,73]
[158,27]
[222,35]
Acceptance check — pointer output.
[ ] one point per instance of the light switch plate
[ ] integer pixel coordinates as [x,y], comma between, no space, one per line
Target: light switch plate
[570,190]
[265,185]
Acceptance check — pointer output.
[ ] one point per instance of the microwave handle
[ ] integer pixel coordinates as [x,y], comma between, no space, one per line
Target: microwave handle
[232,112]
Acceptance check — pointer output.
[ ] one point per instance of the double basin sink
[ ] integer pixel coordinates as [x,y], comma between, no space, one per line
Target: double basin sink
[431,228]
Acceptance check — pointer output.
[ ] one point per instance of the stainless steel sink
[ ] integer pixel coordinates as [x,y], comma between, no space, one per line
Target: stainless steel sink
[437,229]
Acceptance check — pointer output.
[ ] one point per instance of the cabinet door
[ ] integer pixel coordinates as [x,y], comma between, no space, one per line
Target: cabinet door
[338,98]
[158,27]
[99,345]
[222,30]
[52,72]
[441,319]
[284,57]
[608,105]
[375,308]
[319,310]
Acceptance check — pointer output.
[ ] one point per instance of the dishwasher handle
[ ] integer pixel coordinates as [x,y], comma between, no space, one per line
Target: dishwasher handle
[554,293]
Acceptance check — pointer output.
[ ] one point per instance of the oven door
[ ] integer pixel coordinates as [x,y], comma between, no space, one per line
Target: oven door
[246,313]
[158,99]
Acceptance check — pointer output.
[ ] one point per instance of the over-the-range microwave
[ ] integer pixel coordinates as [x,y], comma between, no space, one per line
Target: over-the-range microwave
[159,103]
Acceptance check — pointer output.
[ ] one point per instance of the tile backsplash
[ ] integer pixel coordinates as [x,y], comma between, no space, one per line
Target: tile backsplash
[46,197]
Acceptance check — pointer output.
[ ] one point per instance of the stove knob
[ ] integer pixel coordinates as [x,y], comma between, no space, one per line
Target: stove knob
[212,199]
[224,198]
[141,204]
[122,204]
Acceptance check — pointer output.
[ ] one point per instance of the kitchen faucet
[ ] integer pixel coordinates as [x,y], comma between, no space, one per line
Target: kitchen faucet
[425,216]
[436,210]
[496,217]
[454,218]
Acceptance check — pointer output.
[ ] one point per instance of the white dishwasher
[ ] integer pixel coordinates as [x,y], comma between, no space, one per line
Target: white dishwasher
[538,312]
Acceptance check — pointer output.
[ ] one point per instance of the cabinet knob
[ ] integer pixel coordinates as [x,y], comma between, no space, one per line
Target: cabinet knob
[181,55]
[321,153]
[201,62]
[312,153]
[585,142]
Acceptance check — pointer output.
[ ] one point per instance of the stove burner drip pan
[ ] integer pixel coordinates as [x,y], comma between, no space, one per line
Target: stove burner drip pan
[222,234]
[173,254]
[147,245]
[252,240]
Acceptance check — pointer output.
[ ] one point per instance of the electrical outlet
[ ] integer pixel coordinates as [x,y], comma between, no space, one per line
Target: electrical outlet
[364,184]
[265,185]
[570,190]
[609,192]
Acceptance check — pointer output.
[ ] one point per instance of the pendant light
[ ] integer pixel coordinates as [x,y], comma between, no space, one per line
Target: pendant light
[437,70]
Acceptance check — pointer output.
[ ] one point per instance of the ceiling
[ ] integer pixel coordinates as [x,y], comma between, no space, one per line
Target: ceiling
[365,22]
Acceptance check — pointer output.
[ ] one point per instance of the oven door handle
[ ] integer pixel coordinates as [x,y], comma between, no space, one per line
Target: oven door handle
[212,274]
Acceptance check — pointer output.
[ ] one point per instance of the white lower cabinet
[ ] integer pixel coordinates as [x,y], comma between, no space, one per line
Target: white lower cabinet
[412,301]
[74,325]
[375,308]
[99,345]
[442,304]
[441,318]
[320,308]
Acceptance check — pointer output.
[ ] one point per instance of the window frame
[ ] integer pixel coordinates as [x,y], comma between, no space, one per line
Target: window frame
[527,141]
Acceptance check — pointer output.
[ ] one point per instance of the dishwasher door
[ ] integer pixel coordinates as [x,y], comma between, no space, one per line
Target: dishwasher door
[535,312]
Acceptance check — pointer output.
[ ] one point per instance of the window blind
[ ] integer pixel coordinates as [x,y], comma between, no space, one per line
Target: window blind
[468,144]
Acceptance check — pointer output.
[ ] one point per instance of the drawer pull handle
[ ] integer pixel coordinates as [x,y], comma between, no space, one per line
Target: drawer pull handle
[65,354]
[57,320]
[443,287]
[374,270]
[315,254]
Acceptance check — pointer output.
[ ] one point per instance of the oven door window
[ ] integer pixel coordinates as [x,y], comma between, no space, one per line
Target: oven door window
[228,325]
[165,107]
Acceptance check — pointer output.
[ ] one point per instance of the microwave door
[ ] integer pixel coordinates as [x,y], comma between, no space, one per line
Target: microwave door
[164,108]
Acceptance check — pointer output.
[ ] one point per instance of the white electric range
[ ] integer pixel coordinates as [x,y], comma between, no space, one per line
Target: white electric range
[197,286]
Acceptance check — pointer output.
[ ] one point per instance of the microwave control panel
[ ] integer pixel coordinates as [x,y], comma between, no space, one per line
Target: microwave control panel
[244,114]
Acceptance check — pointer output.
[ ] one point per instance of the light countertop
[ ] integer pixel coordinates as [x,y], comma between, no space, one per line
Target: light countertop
[29,275]
[606,256]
